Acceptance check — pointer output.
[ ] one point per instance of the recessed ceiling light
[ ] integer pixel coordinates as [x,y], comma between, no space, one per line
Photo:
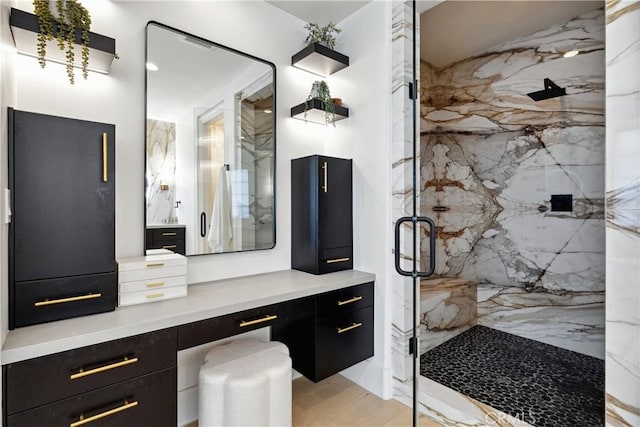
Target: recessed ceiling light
[152,67]
[267,111]
[571,53]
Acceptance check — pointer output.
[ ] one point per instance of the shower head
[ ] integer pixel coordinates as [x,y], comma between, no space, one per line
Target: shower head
[551,90]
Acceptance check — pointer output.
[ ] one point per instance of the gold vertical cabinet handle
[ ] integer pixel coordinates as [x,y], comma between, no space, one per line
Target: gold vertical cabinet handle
[348,328]
[156,264]
[154,284]
[169,234]
[105,158]
[124,407]
[349,301]
[158,295]
[256,321]
[325,187]
[82,373]
[169,247]
[63,300]
[331,261]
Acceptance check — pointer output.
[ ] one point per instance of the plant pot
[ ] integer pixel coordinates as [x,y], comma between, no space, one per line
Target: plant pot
[336,101]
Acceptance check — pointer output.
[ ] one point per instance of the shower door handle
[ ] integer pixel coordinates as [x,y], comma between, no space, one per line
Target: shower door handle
[432,246]
[203,224]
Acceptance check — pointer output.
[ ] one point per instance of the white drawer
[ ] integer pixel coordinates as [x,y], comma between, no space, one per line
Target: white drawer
[152,273]
[151,262]
[142,297]
[152,284]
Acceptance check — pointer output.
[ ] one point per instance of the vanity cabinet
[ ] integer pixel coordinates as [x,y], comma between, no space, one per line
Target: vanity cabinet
[171,238]
[62,231]
[134,376]
[321,214]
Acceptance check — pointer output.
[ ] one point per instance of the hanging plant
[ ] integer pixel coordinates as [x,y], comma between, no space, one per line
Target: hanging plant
[323,35]
[320,91]
[72,16]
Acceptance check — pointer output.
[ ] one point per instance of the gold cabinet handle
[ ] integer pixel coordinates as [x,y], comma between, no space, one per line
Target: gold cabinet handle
[154,284]
[82,373]
[325,187]
[158,295]
[348,328]
[63,300]
[169,234]
[256,321]
[156,264]
[349,301]
[124,407]
[169,247]
[105,157]
[331,261]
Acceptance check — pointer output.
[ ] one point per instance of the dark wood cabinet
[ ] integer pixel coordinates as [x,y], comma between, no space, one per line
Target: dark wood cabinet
[62,181]
[171,238]
[321,214]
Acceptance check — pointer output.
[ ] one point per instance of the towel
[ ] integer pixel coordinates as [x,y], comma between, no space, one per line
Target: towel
[220,232]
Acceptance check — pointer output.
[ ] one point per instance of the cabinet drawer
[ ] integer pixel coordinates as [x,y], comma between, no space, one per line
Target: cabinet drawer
[149,400]
[176,246]
[344,300]
[54,299]
[335,259]
[169,233]
[155,271]
[343,341]
[150,295]
[46,379]
[152,284]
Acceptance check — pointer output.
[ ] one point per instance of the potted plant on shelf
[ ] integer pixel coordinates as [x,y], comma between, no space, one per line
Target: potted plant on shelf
[325,36]
[71,16]
[320,91]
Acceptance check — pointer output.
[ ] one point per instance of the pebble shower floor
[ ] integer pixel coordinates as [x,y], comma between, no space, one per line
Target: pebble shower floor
[534,382]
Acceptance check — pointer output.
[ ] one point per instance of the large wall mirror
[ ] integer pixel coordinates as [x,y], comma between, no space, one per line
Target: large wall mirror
[210,145]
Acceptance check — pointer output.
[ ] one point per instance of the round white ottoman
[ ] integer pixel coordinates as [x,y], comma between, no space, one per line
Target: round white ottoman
[245,383]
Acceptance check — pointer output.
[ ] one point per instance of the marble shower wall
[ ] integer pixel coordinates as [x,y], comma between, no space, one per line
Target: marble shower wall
[491,158]
[623,214]
[161,167]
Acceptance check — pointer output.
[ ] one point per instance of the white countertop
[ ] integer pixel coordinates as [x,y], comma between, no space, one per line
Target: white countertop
[205,300]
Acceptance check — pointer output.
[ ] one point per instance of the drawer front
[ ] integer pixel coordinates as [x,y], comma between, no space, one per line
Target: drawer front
[151,263]
[149,400]
[152,284]
[169,233]
[343,341]
[156,271]
[343,301]
[42,301]
[46,379]
[151,295]
[335,259]
[176,246]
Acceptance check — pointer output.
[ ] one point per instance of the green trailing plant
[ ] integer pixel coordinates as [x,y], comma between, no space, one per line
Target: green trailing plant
[320,91]
[73,16]
[324,35]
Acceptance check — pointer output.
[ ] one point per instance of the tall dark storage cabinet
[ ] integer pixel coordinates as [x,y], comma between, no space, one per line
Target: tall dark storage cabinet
[321,214]
[62,232]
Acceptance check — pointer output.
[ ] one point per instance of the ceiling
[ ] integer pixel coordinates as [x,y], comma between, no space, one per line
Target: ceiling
[454,30]
[320,12]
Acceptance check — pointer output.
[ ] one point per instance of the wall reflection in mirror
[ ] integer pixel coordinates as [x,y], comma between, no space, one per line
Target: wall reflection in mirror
[210,144]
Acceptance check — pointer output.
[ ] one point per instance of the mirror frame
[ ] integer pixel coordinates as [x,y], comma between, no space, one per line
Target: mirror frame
[146,88]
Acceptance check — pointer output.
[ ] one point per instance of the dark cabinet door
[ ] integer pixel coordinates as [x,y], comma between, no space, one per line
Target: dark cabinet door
[335,228]
[62,177]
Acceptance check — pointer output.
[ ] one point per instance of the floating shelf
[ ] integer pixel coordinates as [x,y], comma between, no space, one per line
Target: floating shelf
[25,29]
[320,60]
[315,112]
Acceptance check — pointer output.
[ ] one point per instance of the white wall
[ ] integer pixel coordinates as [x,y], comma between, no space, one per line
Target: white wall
[264,31]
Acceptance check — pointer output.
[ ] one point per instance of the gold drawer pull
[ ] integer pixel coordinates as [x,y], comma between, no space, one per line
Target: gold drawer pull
[154,284]
[349,301]
[126,361]
[158,295]
[331,261]
[63,300]
[156,264]
[348,328]
[169,234]
[256,321]
[169,247]
[124,407]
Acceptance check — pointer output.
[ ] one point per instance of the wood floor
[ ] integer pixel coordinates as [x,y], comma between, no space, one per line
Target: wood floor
[336,402]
